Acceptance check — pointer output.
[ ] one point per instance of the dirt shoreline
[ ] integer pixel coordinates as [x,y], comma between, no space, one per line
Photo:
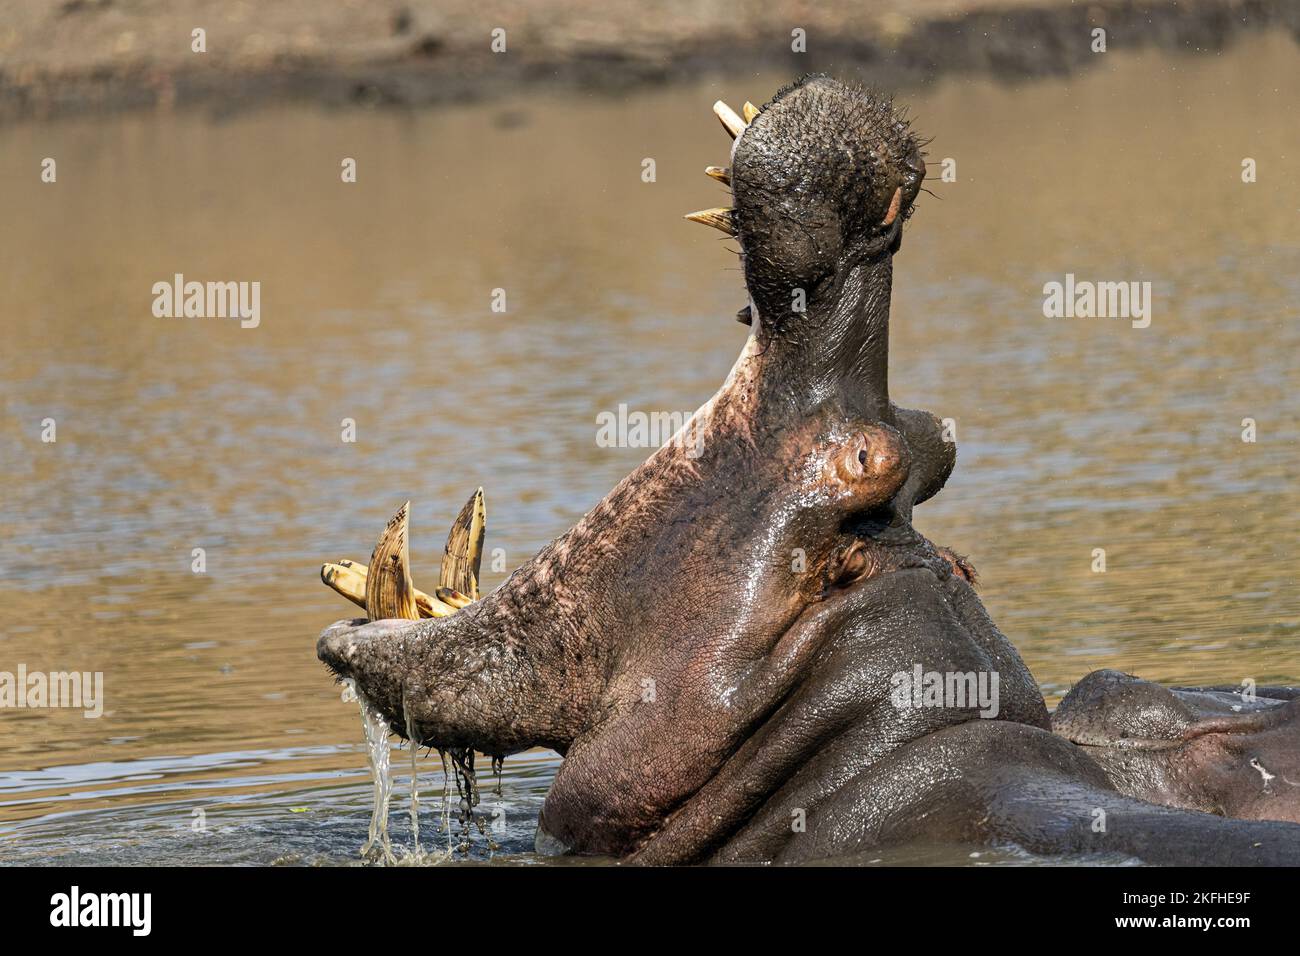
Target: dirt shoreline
[67,57]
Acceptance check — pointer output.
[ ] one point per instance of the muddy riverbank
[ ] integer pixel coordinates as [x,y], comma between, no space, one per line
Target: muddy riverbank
[61,57]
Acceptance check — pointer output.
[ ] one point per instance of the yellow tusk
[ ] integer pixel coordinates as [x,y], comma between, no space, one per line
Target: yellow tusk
[454,598]
[348,578]
[463,553]
[717,218]
[721,173]
[750,111]
[389,591]
[730,121]
[894,205]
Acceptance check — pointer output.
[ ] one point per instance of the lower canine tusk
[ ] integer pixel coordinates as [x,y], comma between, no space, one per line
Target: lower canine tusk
[463,553]
[389,591]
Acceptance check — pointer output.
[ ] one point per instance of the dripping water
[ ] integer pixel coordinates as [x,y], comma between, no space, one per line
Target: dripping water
[457,766]
[375,728]
[415,781]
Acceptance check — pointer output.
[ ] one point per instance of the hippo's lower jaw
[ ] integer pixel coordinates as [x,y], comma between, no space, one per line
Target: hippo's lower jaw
[717,648]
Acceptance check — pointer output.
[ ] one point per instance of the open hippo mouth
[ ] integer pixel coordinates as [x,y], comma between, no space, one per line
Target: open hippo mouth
[715,646]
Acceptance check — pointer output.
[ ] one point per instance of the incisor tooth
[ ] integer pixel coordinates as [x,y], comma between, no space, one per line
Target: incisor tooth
[385,588]
[721,173]
[750,111]
[389,591]
[348,578]
[732,123]
[463,553]
[453,597]
[717,218]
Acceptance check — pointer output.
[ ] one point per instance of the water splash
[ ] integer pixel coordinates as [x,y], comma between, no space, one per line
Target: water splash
[375,728]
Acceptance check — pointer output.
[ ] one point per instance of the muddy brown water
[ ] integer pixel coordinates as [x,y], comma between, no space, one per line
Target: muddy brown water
[223,740]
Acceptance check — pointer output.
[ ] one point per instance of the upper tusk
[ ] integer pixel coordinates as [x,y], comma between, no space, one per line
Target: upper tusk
[730,121]
[894,205]
[721,173]
[717,218]
[750,111]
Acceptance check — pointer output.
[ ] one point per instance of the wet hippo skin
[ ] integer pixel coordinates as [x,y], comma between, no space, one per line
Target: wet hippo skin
[1218,749]
[717,648]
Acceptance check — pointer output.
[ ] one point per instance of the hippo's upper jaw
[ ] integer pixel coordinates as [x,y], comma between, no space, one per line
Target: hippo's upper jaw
[824,178]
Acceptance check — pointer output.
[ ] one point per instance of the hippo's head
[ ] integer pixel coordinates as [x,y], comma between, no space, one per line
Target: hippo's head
[1219,749]
[650,641]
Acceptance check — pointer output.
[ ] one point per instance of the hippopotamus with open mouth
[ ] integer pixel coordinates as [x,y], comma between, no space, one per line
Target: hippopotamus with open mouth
[745,652]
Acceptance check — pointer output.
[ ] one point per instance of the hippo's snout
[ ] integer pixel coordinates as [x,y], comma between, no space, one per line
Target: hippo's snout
[336,648]
[364,650]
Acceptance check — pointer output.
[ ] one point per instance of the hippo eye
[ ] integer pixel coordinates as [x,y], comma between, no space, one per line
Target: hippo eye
[862,458]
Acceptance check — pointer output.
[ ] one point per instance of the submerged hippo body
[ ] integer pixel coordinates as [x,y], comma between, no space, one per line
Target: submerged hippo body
[720,648]
[1217,749]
